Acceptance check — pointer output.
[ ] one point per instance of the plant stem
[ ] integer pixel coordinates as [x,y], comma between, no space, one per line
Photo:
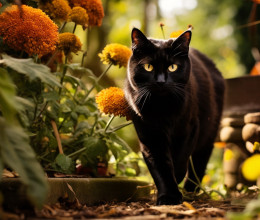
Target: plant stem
[62,27]
[75,26]
[57,135]
[199,186]
[63,73]
[90,90]
[44,107]
[94,125]
[194,172]
[162,32]
[109,123]
[51,58]
[83,57]
[76,152]
[119,127]
[36,108]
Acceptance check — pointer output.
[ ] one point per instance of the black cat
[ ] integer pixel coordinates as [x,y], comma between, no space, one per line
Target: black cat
[176,96]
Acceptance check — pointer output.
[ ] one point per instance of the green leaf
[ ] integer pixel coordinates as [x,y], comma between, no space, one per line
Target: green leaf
[74,81]
[95,150]
[51,96]
[31,69]
[74,116]
[82,110]
[118,151]
[78,70]
[82,128]
[24,103]
[64,164]
[113,137]
[8,104]
[16,153]
[130,171]
[53,110]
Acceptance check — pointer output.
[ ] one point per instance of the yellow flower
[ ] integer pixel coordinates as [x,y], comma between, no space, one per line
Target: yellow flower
[94,10]
[116,54]
[112,101]
[79,16]
[31,31]
[251,167]
[69,42]
[56,9]
[176,34]
[228,155]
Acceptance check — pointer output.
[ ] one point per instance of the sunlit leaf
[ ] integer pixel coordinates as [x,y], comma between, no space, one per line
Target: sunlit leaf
[31,69]
[120,141]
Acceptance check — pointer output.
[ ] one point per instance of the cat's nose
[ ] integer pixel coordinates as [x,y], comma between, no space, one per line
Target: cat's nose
[160,79]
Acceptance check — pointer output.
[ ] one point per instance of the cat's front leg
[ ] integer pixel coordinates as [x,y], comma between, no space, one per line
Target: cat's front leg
[161,168]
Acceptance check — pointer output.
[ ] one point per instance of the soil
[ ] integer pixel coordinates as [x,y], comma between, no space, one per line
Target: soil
[143,210]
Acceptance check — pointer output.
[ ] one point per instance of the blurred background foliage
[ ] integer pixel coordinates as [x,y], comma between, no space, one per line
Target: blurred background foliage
[221,31]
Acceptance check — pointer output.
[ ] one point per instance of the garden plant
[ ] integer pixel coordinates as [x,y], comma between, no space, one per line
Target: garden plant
[50,121]
[58,120]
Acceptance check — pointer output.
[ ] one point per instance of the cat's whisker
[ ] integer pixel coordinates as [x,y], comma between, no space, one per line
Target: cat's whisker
[147,94]
[142,92]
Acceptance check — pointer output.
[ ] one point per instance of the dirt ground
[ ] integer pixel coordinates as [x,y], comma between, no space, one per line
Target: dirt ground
[143,210]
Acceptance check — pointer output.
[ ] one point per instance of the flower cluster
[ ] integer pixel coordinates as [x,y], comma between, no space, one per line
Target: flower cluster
[94,10]
[112,101]
[69,43]
[115,54]
[176,34]
[56,9]
[29,30]
[79,16]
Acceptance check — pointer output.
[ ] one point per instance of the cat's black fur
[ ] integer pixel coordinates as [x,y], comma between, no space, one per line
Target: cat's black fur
[176,114]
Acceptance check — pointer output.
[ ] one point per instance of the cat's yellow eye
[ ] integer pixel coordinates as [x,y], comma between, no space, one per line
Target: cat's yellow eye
[148,67]
[172,67]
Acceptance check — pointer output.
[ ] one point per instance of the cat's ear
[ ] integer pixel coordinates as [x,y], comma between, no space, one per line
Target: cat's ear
[138,38]
[183,41]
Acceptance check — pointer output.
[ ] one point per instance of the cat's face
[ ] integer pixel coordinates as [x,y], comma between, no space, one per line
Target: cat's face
[159,65]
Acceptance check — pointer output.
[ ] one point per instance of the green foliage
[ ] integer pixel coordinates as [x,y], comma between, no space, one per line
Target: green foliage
[64,164]
[17,154]
[95,151]
[30,69]
[7,95]
[49,121]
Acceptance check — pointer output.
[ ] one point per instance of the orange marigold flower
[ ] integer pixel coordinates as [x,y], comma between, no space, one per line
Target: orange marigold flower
[69,42]
[94,10]
[31,31]
[256,1]
[176,34]
[115,54]
[79,16]
[56,9]
[112,101]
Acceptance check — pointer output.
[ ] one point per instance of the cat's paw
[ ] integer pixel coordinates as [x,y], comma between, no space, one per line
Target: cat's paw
[169,200]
